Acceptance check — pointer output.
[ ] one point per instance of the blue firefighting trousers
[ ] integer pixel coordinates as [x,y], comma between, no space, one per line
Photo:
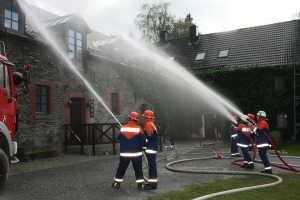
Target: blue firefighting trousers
[137,166]
[247,157]
[234,147]
[265,160]
[151,157]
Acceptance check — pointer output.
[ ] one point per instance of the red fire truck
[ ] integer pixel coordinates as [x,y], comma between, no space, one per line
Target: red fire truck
[9,112]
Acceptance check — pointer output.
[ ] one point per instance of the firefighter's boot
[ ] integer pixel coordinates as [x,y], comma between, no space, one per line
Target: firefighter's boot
[116,185]
[140,186]
[149,187]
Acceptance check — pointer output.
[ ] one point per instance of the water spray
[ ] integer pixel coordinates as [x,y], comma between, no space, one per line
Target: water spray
[55,46]
[194,85]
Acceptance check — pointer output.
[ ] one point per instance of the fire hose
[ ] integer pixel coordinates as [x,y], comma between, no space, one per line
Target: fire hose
[286,167]
[218,156]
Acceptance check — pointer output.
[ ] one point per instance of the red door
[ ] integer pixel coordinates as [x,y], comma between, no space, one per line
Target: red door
[76,120]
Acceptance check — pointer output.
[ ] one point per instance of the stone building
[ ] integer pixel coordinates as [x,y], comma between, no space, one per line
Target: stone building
[73,79]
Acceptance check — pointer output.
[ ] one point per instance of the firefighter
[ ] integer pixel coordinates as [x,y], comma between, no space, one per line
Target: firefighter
[233,137]
[252,121]
[132,142]
[151,134]
[262,141]
[243,141]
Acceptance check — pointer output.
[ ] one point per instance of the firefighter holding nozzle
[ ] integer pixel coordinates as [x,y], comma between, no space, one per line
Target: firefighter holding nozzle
[151,134]
[243,141]
[132,141]
[261,129]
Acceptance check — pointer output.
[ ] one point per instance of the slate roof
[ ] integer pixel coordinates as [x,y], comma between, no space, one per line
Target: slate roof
[268,45]
[30,26]
[49,19]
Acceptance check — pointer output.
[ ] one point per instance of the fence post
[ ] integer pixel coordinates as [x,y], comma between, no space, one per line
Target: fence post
[82,138]
[114,140]
[66,139]
[93,139]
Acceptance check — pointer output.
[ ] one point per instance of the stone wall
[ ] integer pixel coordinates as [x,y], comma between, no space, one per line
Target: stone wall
[47,67]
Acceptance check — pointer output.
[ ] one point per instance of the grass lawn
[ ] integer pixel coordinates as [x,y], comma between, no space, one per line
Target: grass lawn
[288,189]
[292,149]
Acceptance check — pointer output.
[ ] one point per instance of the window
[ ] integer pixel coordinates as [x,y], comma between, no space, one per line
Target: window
[75,47]
[7,81]
[281,120]
[11,20]
[223,53]
[1,75]
[41,99]
[4,78]
[279,82]
[115,103]
[200,56]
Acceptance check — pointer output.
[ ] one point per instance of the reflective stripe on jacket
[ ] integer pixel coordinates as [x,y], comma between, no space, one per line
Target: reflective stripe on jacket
[131,139]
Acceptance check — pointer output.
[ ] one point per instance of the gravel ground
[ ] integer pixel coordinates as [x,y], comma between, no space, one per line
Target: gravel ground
[76,176]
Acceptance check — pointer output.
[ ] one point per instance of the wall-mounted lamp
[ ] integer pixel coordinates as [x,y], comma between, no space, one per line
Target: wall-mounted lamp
[66,87]
[90,105]
[69,103]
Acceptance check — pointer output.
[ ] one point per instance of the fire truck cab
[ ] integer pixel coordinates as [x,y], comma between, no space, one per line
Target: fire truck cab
[8,112]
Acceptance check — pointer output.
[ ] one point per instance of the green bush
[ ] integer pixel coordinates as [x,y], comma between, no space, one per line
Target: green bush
[276,138]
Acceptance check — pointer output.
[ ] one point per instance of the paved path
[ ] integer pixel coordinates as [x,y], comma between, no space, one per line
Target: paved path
[88,177]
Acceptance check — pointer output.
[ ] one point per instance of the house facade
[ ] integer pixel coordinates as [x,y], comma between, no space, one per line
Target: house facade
[72,80]
[67,54]
[273,45]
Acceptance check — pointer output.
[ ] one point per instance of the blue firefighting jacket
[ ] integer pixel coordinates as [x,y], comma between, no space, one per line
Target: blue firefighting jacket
[262,140]
[132,140]
[151,134]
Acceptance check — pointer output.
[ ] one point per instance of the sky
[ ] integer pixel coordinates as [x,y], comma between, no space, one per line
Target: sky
[116,17]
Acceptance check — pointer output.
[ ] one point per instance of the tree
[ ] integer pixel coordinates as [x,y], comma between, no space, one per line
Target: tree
[296,15]
[181,27]
[155,18]
[152,19]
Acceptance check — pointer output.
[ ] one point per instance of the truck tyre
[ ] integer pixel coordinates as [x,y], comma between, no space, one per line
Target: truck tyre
[4,168]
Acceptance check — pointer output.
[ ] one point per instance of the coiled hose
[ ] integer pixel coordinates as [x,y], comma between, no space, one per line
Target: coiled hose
[218,156]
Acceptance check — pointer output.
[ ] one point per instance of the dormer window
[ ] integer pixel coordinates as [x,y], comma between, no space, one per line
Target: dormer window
[11,20]
[75,47]
[223,53]
[200,56]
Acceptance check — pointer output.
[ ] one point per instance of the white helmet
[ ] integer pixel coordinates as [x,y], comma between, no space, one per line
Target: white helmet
[245,118]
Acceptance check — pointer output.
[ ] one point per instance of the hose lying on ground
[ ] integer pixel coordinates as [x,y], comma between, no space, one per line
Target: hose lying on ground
[279,180]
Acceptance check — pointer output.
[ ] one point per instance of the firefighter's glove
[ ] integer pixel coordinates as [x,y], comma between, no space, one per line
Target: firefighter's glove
[254,130]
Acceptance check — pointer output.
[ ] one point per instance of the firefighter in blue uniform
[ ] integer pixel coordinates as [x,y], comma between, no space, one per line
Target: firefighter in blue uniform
[263,143]
[132,141]
[151,134]
[233,138]
[243,141]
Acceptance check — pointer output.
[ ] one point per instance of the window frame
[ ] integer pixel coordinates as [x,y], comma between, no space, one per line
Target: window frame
[115,103]
[11,20]
[75,42]
[40,103]
[223,51]
[202,58]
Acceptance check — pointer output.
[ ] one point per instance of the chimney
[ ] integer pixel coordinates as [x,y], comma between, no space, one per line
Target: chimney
[163,36]
[193,34]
